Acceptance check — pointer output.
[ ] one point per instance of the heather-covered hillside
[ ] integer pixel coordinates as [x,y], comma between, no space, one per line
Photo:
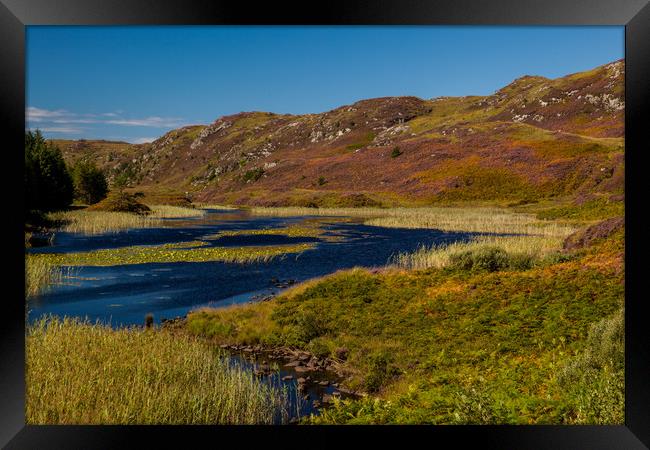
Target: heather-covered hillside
[533,139]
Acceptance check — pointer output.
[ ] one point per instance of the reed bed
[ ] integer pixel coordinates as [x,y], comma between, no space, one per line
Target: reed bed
[40,274]
[214,206]
[96,222]
[169,211]
[475,219]
[82,373]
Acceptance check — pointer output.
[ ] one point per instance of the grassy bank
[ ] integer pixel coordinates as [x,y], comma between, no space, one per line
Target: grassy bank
[78,373]
[524,251]
[192,251]
[482,340]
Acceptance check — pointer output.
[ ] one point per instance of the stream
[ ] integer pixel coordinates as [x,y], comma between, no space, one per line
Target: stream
[122,295]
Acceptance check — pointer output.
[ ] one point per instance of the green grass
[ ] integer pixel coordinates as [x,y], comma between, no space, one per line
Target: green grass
[191,251]
[80,373]
[595,378]
[596,209]
[452,345]
[307,228]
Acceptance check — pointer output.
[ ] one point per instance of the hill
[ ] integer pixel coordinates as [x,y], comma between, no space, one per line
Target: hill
[534,139]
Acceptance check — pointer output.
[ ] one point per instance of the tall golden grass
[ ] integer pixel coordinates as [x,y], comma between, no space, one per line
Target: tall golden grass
[95,222]
[439,256]
[40,273]
[213,206]
[470,219]
[169,211]
[82,373]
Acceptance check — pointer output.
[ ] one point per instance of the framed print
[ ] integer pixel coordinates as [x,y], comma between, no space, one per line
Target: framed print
[394,219]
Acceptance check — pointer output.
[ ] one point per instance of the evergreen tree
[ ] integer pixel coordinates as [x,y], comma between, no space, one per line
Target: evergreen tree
[90,185]
[48,184]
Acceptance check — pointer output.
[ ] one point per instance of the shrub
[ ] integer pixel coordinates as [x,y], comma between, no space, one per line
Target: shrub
[121,202]
[319,348]
[253,175]
[310,325]
[380,370]
[90,185]
[321,181]
[595,378]
[520,261]
[395,153]
[476,406]
[125,174]
[490,259]
[48,184]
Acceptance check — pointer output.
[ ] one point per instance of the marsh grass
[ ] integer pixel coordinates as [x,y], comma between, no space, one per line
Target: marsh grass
[305,230]
[191,251]
[214,206]
[439,256]
[40,274]
[82,373]
[474,219]
[96,222]
[170,211]
[525,235]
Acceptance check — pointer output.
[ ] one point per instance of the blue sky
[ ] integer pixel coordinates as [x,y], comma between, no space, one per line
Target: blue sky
[136,83]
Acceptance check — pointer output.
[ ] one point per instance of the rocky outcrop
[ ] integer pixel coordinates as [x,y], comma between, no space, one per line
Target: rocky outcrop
[587,236]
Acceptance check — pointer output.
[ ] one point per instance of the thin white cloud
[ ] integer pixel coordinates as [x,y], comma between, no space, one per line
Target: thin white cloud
[73,120]
[158,122]
[41,115]
[143,140]
[63,117]
[61,130]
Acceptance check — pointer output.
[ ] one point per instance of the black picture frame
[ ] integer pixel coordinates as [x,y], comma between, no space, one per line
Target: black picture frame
[633,14]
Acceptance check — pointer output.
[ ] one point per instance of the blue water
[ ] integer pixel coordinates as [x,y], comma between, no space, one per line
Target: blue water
[123,295]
